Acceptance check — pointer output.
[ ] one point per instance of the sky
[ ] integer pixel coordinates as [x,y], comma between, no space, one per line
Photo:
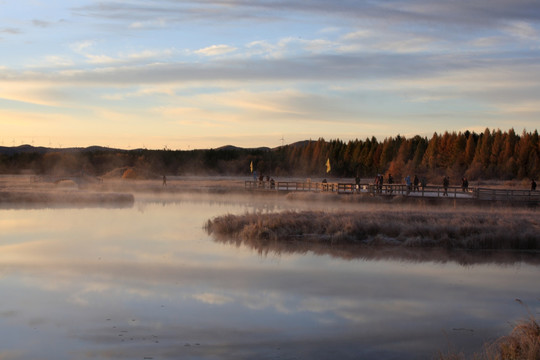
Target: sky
[202,74]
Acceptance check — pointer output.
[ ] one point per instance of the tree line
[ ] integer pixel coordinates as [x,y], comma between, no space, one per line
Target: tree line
[492,154]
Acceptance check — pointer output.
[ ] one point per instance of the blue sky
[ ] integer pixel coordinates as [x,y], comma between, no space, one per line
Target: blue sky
[202,74]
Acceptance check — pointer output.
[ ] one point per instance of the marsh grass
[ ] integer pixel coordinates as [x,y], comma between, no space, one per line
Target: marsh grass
[523,343]
[446,229]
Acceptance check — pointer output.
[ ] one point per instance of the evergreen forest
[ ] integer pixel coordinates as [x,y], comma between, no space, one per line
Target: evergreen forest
[492,154]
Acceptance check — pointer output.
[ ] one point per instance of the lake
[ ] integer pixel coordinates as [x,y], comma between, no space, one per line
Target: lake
[147,282]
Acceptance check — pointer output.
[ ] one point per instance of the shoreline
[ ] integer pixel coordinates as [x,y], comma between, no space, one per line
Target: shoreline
[32,199]
[25,189]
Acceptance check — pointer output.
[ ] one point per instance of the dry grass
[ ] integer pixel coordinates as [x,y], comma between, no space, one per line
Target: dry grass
[446,229]
[523,343]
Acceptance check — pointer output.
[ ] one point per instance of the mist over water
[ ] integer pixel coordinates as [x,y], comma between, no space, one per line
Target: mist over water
[147,281]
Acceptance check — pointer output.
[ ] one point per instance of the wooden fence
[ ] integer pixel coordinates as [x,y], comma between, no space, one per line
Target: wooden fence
[481,194]
[507,195]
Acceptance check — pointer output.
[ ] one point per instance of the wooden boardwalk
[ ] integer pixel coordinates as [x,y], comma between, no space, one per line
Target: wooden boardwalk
[453,192]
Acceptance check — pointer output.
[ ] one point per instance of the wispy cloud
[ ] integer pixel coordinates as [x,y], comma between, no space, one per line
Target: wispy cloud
[12,31]
[471,13]
[41,23]
[213,299]
[214,63]
[215,50]
[523,30]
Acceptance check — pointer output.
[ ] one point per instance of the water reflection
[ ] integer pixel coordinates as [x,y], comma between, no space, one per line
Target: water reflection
[371,253]
[148,282]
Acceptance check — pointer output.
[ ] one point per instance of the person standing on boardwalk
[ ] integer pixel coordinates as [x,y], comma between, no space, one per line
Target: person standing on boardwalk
[446,182]
[415,183]
[533,185]
[390,182]
[408,182]
[464,184]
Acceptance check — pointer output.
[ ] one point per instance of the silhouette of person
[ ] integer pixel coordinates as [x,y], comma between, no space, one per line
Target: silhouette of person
[533,185]
[446,182]
[390,182]
[164,180]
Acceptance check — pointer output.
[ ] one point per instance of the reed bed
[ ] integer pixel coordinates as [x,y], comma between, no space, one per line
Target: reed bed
[446,229]
[523,343]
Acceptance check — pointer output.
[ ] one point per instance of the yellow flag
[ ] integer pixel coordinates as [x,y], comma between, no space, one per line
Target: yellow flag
[328,167]
[251,166]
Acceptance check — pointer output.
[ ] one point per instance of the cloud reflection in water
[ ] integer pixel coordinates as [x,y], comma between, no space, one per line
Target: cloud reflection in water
[149,282]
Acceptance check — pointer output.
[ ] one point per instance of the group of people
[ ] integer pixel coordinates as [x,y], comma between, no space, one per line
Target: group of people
[379,182]
[414,184]
[264,180]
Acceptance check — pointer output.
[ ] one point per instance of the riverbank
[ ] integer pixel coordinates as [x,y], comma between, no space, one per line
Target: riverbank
[25,191]
[35,189]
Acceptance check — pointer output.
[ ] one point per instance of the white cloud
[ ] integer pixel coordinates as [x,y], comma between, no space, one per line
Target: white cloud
[522,30]
[487,42]
[330,30]
[359,34]
[213,299]
[139,25]
[150,54]
[145,55]
[100,59]
[80,47]
[215,50]
[60,61]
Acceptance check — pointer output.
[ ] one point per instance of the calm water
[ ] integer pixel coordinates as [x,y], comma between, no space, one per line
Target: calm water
[147,282]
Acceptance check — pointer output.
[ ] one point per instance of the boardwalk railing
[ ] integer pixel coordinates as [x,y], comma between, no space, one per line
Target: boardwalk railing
[291,186]
[425,191]
[507,195]
[521,196]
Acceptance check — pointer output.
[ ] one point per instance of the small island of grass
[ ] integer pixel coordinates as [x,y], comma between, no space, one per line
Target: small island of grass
[500,230]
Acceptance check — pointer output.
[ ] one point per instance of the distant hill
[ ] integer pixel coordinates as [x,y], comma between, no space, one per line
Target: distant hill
[492,154]
[29,149]
[4,150]
[232,147]
[300,143]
